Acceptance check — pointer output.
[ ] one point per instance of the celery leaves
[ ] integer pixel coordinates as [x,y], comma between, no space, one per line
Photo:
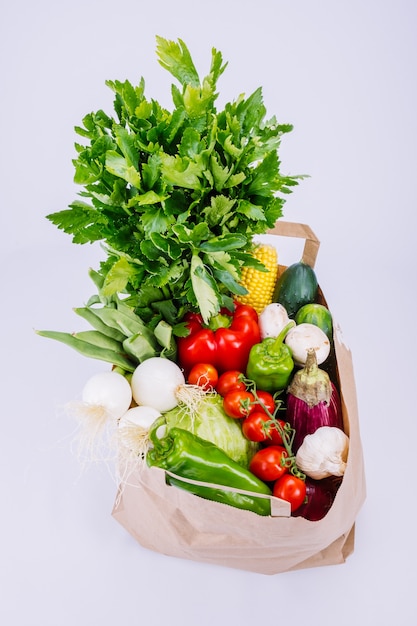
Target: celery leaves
[176,196]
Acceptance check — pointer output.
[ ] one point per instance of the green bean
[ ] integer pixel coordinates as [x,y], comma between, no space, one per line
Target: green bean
[99,339]
[164,335]
[97,278]
[90,350]
[139,347]
[118,321]
[96,322]
[128,323]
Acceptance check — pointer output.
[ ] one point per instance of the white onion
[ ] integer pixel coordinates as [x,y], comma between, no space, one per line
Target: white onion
[155,382]
[109,392]
[134,427]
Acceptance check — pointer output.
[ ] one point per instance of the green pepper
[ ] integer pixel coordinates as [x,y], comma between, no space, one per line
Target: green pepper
[270,364]
[188,456]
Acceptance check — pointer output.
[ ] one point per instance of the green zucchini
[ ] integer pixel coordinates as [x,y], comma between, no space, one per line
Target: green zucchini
[316,314]
[296,287]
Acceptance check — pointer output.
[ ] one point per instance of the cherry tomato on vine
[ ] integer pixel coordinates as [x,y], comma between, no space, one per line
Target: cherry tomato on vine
[204,375]
[254,426]
[228,381]
[257,426]
[267,464]
[266,400]
[290,488]
[275,433]
[238,403]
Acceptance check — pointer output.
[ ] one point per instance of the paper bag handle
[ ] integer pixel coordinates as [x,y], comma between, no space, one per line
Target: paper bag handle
[300,231]
[279,507]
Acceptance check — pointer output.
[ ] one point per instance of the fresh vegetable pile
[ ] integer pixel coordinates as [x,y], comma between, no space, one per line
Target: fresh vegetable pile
[223,368]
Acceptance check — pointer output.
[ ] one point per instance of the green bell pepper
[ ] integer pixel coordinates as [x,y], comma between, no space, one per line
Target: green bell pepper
[188,456]
[270,364]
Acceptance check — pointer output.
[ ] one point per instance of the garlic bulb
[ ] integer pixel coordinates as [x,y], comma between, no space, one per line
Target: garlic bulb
[323,453]
[272,320]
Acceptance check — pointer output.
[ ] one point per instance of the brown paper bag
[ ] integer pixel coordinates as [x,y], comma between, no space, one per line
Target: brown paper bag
[174,522]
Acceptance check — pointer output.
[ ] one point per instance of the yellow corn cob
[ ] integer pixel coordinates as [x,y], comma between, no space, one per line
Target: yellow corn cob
[260,285]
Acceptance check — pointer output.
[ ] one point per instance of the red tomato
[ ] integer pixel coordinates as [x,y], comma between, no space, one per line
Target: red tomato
[238,403]
[254,426]
[228,381]
[292,489]
[266,463]
[258,427]
[204,375]
[266,400]
[275,434]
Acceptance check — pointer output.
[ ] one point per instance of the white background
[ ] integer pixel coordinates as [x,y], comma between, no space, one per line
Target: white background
[344,73]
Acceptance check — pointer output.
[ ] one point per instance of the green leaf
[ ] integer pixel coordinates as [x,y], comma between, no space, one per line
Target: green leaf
[219,211]
[182,233]
[127,145]
[149,197]
[205,289]
[155,220]
[117,165]
[117,277]
[228,281]
[175,57]
[181,172]
[80,220]
[166,245]
[191,144]
[84,174]
[151,172]
[251,111]
[220,173]
[251,211]
[199,232]
[151,252]
[224,243]
[234,180]
[264,176]
[167,309]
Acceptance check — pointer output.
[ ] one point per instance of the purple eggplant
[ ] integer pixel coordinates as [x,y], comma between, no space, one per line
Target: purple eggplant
[312,401]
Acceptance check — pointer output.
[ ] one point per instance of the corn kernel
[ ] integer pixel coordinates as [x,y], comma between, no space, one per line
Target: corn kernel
[260,285]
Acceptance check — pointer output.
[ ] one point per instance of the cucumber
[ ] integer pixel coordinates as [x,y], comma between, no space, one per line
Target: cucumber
[316,314]
[296,287]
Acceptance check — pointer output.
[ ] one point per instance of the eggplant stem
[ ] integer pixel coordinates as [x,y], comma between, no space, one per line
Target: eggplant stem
[311,365]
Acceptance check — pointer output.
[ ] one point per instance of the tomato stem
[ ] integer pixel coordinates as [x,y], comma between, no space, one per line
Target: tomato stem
[287,433]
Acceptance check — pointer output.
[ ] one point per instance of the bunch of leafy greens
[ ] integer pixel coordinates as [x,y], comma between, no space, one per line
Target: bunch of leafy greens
[176,196]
